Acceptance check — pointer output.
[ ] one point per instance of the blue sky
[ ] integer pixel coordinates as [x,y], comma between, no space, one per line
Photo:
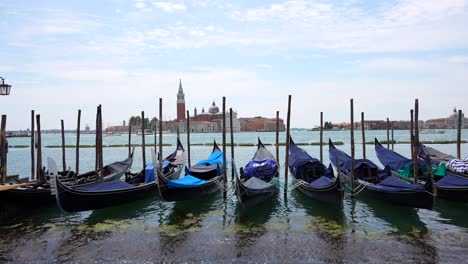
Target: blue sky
[61,56]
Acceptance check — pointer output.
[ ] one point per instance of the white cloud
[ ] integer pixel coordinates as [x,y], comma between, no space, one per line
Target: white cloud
[458,59]
[405,26]
[169,7]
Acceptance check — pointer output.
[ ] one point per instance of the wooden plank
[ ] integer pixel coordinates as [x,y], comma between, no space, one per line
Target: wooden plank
[14,186]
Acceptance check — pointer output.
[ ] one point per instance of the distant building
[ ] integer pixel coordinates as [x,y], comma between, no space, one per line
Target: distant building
[447,122]
[180,103]
[260,124]
[205,122]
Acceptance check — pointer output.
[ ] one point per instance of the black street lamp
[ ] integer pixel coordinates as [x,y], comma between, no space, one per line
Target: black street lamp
[4,88]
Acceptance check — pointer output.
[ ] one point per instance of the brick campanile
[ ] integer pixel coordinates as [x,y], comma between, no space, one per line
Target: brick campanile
[180,103]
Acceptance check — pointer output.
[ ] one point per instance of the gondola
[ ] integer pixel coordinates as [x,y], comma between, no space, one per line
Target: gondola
[312,177]
[201,179]
[39,193]
[380,184]
[172,165]
[258,180]
[449,185]
[96,195]
[438,157]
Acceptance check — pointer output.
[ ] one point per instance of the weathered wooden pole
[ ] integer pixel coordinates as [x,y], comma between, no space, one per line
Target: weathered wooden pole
[77,147]
[101,150]
[412,132]
[64,163]
[363,130]
[224,147]
[178,130]
[39,176]
[277,136]
[393,141]
[352,146]
[143,138]
[232,143]
[130,139]
[416,141]
[321,137]
[188,138]
[33,163]
[160,134]
[459,128]
[388,133]
[288,136]
[3,150]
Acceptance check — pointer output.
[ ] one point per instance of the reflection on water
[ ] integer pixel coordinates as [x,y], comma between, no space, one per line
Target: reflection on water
[213,228]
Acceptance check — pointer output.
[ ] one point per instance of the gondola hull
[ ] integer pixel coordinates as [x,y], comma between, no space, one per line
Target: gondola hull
[181,194]
[32,197]
[253,196]
[331,194]
[458,194]
[71,200]
[417,199]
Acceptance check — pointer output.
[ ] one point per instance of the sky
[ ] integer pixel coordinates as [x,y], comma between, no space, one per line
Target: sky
[61,56]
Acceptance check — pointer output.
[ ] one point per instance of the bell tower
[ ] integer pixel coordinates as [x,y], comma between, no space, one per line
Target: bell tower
[180,103]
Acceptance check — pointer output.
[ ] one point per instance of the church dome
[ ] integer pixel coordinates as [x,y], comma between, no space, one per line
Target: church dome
[213,109]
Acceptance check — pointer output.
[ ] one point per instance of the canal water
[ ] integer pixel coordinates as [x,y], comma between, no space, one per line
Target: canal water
[290,228]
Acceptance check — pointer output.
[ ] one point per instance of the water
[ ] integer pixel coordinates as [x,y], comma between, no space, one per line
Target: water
[289,228]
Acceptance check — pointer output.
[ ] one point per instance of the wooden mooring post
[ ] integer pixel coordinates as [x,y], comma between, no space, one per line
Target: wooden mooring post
[416,140]
[3,150]
[130,140]
[288,137]
[232,144]
[143,154]
[39,171]
[363,130]
[160,154]
[224,147]
[77,146]
[33,162]
[64,162]
[352,145]
[277,136]
[321,137]
[388,133]
[188,138]
[459,128]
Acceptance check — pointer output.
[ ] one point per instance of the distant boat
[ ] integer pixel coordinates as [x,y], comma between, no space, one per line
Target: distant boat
[432,131]
[147,132]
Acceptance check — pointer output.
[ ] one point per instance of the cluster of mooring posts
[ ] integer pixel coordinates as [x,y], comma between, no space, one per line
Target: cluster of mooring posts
[38,172]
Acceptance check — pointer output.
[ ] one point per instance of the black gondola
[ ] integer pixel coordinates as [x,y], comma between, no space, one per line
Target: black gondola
[259,179]
[40,193]
[203,178]
[438,157]
[172,165]
[98,195]
[449,186]
[312,177]
[380,184]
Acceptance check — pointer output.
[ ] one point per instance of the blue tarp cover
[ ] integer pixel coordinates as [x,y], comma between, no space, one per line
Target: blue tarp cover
[393,184]
[149,173]
[299,157]
[213,159]
[105,186]
[394,160]
[322,182]
[344,160]
[451,180]
[187,181]
[263,168]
